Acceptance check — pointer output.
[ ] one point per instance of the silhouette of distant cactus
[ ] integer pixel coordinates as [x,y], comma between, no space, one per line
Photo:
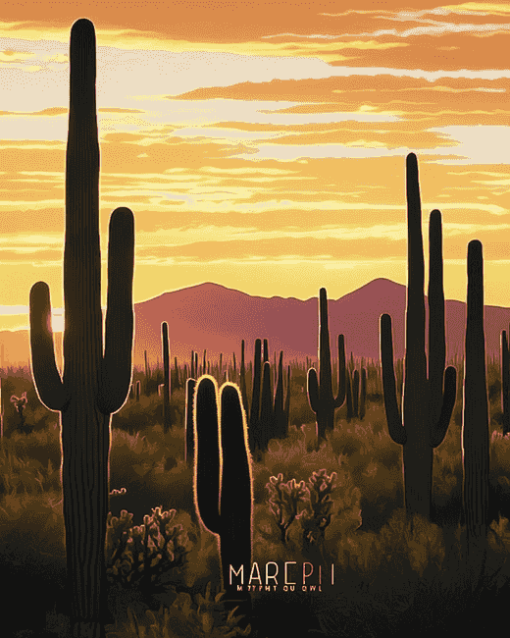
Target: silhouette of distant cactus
[505,382]
[426,409]
[255,397]
[242,380]
[94,385]
[356,401]
[167,422]
[320,390]
[279,417]
[147,374]
[287,404]
[475,428]
[223,477]
[266,426]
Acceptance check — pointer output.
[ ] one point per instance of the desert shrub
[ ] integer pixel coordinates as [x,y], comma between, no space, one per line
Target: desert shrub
[144,555]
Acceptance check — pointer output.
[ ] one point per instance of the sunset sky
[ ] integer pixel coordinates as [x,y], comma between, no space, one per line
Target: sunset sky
[261,145]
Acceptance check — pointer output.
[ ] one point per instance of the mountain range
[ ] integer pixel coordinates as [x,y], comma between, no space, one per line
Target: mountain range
[214,318]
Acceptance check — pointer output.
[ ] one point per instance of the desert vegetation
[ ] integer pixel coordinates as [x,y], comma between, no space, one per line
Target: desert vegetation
[375,497]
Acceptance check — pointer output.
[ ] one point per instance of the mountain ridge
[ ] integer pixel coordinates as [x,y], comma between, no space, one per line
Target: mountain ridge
[212,317]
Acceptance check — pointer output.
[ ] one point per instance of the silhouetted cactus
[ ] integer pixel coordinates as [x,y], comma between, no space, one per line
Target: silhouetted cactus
[505,382]
[356,407]
[147,374]
[94,385]
[320,391]
[475,427]
[167,422]
[279,427]
[242,380]
[426,409]
[254,426]
[266,427]
[223,478]
[287,404]
[355,392]
[175,383]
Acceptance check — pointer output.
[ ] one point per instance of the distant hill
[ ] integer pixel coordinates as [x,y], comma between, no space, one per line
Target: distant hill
[214,318]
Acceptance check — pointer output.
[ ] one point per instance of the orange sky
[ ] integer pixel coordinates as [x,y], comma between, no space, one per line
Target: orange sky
[261,146]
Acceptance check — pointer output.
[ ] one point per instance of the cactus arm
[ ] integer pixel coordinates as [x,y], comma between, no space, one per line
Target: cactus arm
[505,378]
[415,358]
[340,397]
[116,366]
[236,501]
[438,430]
[396,429]
[207,454]
[313,390]
[48,382]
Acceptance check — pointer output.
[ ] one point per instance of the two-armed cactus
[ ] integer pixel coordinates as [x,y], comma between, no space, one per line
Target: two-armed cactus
[223,489]
[93,385]
[426,408]
[320,390]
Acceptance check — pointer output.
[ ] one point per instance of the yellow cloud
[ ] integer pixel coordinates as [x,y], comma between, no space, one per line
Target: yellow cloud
[486,8]
[14,56]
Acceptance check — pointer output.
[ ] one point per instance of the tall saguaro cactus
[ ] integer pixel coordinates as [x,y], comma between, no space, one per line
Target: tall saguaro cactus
[167,421]
[426,408]
[93,385]
[475,426]
[505,382]
[223,478]
[320,390]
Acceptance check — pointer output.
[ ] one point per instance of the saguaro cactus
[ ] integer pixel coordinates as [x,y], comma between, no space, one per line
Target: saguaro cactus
[167,422]
[426,409]
[93,385]
[475,427]
[505,382]
[320,391]
[242,380]
[266,422]
[255,396]
[223,477]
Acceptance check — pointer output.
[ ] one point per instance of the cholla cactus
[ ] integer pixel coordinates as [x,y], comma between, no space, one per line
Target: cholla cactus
[284,501]
[144,554]
[20,404]
[317,515]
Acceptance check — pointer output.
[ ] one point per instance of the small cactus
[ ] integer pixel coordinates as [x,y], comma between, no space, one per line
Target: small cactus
[320,388]
[285,500]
